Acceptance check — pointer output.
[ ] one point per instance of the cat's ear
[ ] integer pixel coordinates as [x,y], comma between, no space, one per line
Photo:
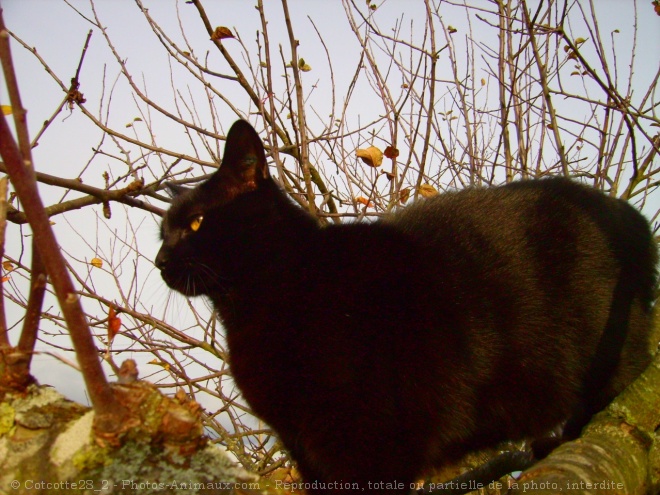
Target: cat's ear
[244,161]
[175,190]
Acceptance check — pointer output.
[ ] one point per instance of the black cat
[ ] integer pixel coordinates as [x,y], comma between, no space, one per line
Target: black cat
[378,350]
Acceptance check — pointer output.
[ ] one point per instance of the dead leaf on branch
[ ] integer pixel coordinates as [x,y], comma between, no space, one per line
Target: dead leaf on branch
[391,152]
[96,262]
[372,156]
[428,191]
[114,324]
[222,33]
[364,201]
[163,364]
[8,267]
[74,95]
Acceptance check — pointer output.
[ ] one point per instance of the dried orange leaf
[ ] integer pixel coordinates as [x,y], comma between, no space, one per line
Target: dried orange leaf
[372,156]
[97,262]
[114,324]
[404,194]
[391,152]
[6,109]
[8,266]
[364,201]
[5,278]
[221,33]
[427,190]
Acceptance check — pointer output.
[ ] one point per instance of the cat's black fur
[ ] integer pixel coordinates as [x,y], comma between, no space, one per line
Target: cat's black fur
[378,350]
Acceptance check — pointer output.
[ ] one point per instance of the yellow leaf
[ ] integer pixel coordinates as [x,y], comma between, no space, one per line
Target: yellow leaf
[6,109]
[165,365]
[97,262]
[483,81]
[8,266]
[579,41]
[303,66]
[427,191]
[451,29]
[372,156]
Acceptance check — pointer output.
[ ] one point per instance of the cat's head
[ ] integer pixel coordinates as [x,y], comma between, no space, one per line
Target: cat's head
[195,227]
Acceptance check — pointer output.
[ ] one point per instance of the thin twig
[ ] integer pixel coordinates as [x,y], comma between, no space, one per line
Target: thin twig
[300,106]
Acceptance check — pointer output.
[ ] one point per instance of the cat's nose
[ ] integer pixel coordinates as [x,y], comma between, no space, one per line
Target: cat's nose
[161,259]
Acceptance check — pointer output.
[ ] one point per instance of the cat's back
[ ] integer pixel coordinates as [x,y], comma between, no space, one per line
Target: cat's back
[555,214]
[558,273]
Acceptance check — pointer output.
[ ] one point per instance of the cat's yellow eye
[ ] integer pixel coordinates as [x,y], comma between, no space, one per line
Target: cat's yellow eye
[196,222]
